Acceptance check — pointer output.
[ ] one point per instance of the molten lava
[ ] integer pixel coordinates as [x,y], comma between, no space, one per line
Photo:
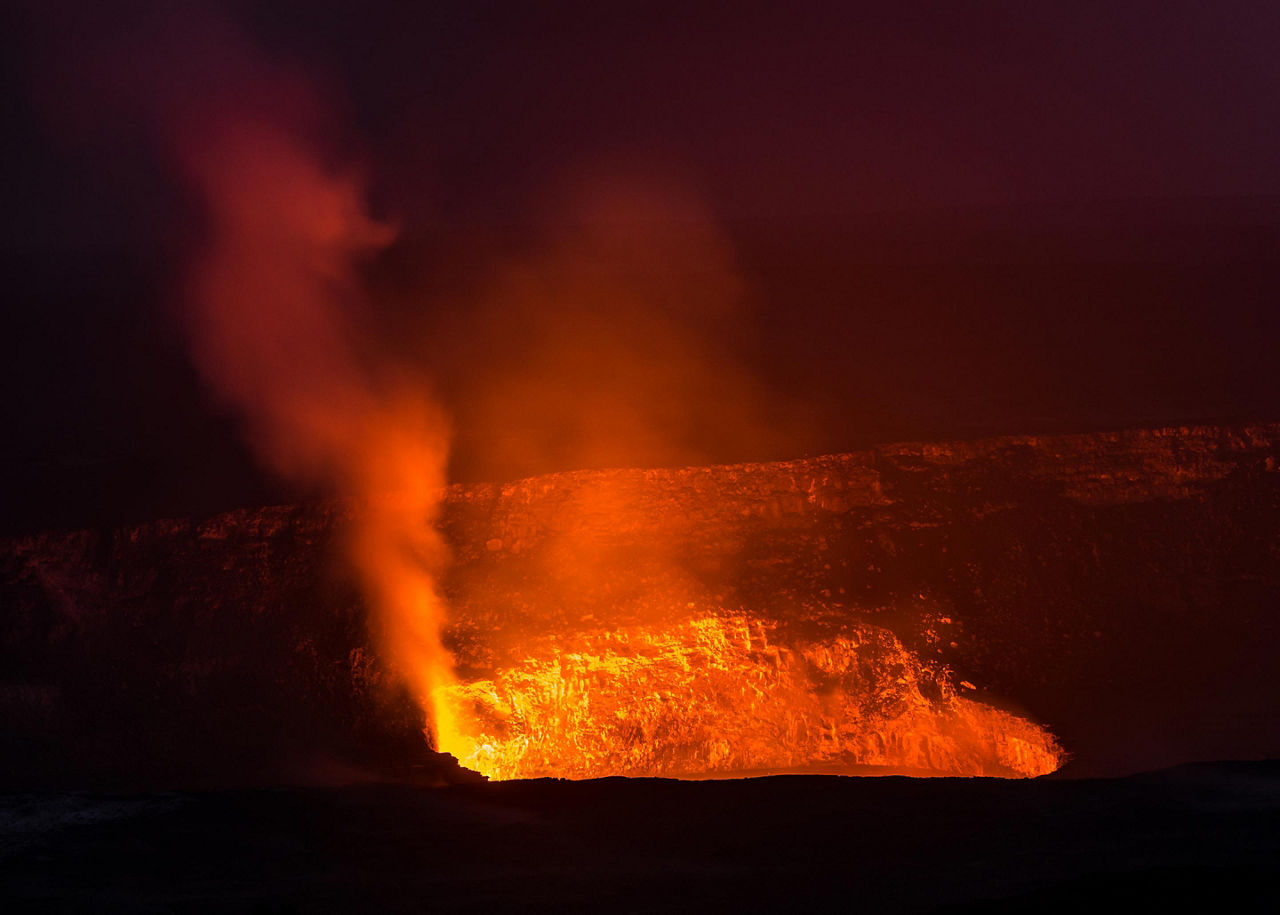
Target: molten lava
[724,694]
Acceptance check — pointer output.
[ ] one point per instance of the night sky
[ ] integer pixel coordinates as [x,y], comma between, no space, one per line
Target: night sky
[831,225]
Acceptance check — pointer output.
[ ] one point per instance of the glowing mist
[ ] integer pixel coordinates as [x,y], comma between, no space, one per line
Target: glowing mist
[272,294]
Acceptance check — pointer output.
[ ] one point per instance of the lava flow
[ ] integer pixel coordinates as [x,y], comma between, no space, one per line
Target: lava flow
[724,694]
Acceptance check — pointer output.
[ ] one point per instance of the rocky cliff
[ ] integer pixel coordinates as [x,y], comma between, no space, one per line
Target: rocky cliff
[1122,588]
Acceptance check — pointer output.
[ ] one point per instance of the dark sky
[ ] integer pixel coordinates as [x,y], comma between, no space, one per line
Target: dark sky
[839,107]
[948,219]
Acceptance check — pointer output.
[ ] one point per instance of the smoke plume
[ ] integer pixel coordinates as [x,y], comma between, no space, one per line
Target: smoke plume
[272,302]
[613,330]
[272,295]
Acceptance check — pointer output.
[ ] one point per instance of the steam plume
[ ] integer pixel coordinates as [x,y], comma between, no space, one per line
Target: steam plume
[614,332]
[273,298]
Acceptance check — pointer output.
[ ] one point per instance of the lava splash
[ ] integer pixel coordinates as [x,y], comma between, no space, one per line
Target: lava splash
[725,694]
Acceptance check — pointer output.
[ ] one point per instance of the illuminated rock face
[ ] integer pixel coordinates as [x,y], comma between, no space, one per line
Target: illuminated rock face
[1120,588]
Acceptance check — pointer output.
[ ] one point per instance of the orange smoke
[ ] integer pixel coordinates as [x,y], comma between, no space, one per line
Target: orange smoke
[617,333]
[273,296]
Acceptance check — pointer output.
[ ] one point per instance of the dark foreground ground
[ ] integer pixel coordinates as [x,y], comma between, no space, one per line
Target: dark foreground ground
[1208,835]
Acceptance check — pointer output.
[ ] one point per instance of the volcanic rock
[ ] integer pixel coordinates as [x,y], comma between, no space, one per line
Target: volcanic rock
[1121,588]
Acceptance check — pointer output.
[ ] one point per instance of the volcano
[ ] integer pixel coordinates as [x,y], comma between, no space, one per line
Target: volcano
[995,607]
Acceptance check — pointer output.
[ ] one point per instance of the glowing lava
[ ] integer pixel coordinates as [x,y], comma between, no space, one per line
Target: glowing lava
[724,694]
